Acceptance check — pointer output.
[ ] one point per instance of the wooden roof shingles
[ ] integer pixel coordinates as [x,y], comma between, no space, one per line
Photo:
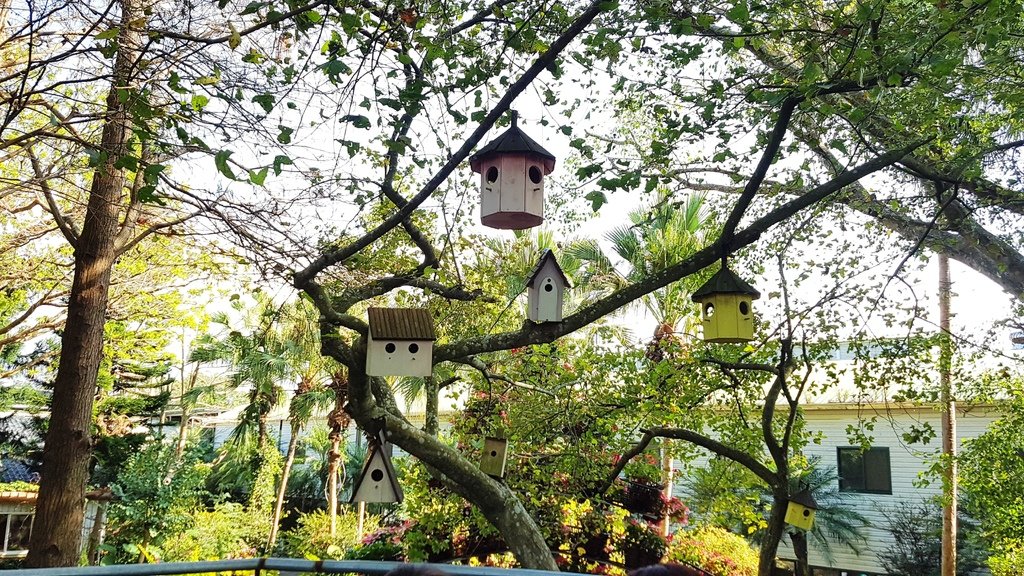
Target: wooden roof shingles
[401,324]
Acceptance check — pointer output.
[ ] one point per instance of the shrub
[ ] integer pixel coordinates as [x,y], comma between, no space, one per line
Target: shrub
[227,531]
[1008,559]
[311,536]
[157,495]
[714,550]
[916,548]
[641,544]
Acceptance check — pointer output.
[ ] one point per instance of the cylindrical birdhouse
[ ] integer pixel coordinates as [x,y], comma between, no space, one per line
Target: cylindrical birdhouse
[512,168]
[800,510]
[726,307]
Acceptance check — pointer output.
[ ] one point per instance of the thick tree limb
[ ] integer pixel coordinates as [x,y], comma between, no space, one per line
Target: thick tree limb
[546,59]
[544,333]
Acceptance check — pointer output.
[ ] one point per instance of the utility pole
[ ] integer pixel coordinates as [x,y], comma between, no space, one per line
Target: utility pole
[948,401]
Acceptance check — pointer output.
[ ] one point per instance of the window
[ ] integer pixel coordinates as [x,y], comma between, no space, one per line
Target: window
[865,470]
[16,528]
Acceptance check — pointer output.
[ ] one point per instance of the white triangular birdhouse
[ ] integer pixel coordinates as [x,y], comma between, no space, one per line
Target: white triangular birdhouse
[401,342]
[512,168]
[546,287]
[377,482]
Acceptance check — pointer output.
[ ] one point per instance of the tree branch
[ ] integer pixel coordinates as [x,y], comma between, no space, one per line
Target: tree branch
[546,59]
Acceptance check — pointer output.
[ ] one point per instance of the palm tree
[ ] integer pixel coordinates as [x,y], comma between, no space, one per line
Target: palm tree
[298,325]
[655,239]
[835,522]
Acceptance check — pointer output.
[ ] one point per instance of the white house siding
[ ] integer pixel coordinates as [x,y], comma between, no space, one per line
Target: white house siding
[27,505]
[907,462]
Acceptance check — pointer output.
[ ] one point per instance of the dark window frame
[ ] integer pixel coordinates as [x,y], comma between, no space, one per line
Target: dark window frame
[866,479]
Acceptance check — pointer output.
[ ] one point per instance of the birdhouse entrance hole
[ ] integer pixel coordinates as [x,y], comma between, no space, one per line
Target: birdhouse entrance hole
[744,307]
[390,347]
[535,175]
[492,174]
[377,474]
[709,310]
[414,347]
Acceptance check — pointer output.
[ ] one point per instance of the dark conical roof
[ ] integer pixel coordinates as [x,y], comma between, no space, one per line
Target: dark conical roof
[512,141]
[804,498]
[544,257]
[724,282]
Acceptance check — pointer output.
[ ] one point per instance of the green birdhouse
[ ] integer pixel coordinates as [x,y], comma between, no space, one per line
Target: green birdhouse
[726,308]
[495,454]
[800,511]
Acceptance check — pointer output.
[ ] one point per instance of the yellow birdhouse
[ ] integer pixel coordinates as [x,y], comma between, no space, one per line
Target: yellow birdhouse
[800,511]
[726,307]
[495,454]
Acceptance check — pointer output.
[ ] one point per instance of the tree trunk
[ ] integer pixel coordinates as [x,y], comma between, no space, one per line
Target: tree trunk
[773,533]
[803,565]
[502,508]
[668,477]
[92,552]
[293,442]
[948,399]
[182,432]
[333,458]
[431,424]
[57,533]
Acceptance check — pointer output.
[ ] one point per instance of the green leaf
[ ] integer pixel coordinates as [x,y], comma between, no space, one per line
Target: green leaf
[199,102]
[285,134]
[597,199]
[313,16]
[127,162]
[152,173]
[108,34]
[147,195]
[174,83]
[739,13]
[252,8]
[209,80]
[357,120]
[96,157]
[588,171]
[258,178]
[235,38]
[221,160]
[266,101]
[280,161]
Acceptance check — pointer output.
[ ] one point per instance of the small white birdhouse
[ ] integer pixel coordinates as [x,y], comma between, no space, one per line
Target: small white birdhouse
[377,482]
[726,308]
[800,510]
[401,342]
[495,454]
[546,287]
[512,168]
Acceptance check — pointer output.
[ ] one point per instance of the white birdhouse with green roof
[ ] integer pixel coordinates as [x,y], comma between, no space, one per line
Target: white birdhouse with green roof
[800,510]
[726,308]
